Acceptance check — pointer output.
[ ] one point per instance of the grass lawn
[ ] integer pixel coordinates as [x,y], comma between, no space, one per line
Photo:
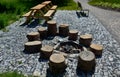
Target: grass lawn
[111,4]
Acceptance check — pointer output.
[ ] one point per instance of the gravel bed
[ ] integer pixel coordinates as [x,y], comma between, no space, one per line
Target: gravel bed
[12,46]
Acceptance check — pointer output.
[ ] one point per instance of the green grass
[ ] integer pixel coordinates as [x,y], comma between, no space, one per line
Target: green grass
[11,74]
[71,5]
[113,4]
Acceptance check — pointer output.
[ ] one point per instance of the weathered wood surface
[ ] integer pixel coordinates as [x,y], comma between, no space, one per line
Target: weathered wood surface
[32,47]
[64,30]
[73,34]
[86,61]
[33,36]
[96,49]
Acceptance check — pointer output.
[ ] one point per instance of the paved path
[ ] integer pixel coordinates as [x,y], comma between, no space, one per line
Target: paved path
[110,19]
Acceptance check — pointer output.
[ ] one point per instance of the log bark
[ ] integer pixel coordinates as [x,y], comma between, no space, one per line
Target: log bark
[52,28]
[57,63]
[33,47]
[46,51]
[73,35]
[85,39]
[43,32]
[33,36]
[64,30]
[96,49]
[86,61]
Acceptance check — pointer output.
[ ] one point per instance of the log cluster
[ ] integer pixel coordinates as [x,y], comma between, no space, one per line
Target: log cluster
[86,61]
[73,35]
[52,28]
[33,47]
[33,36]
[46,51]
[64,30]
[57,63]
[96,49]
[85,39]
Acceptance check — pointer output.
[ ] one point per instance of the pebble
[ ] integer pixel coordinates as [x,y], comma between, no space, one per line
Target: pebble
[12,45]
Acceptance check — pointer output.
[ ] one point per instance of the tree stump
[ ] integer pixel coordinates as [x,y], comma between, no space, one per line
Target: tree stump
[46,51]
[52,28]
[73,35]
[57,63]
[96,49]
[33,47]
[86,61]
[43,32]
[85,39]
[33,36]
[64,30]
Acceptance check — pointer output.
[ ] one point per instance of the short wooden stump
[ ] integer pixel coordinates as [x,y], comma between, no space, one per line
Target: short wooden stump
[33,36]
[57,63]
[46,51]
[32,47]
[85,39]
[73,35]
[64,30]
[52,28]
[86,61]
[43,32]
[96,49]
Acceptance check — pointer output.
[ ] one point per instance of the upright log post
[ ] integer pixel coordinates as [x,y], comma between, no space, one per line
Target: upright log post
[86,61]
[96,49]
[46,51]
[43,32]
[73,35]
[33,36]
[57,63]
[85,39]
[64,30]
[32,47]
[52,27]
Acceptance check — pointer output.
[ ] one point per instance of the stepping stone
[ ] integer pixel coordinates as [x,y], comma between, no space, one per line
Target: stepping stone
[57,63]
[85,39]
[73,35]
[86,61]
[52,27]
[33,36]
[33,47]
[64,30]
[46,51]
[43,32]
[96,49]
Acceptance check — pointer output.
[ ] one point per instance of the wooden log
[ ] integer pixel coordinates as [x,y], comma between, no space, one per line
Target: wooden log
[43,32]
[85,39]
[33,36]
[86,61]
[46,51]
[64,30]
[32,47]
[52,28]
[96,49]
[73,35]
[57,63]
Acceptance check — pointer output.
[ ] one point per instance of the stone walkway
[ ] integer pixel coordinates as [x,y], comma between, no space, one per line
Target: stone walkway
[110,19]
[12,46]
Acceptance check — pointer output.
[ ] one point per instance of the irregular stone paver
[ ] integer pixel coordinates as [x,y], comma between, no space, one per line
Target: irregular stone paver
[12,46]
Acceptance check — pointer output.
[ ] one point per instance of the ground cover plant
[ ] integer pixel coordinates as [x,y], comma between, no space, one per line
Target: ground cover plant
[110,4]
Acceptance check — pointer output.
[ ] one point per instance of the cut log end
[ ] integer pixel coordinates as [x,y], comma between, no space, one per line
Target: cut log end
[96,49]
[57,58]
[47,48]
